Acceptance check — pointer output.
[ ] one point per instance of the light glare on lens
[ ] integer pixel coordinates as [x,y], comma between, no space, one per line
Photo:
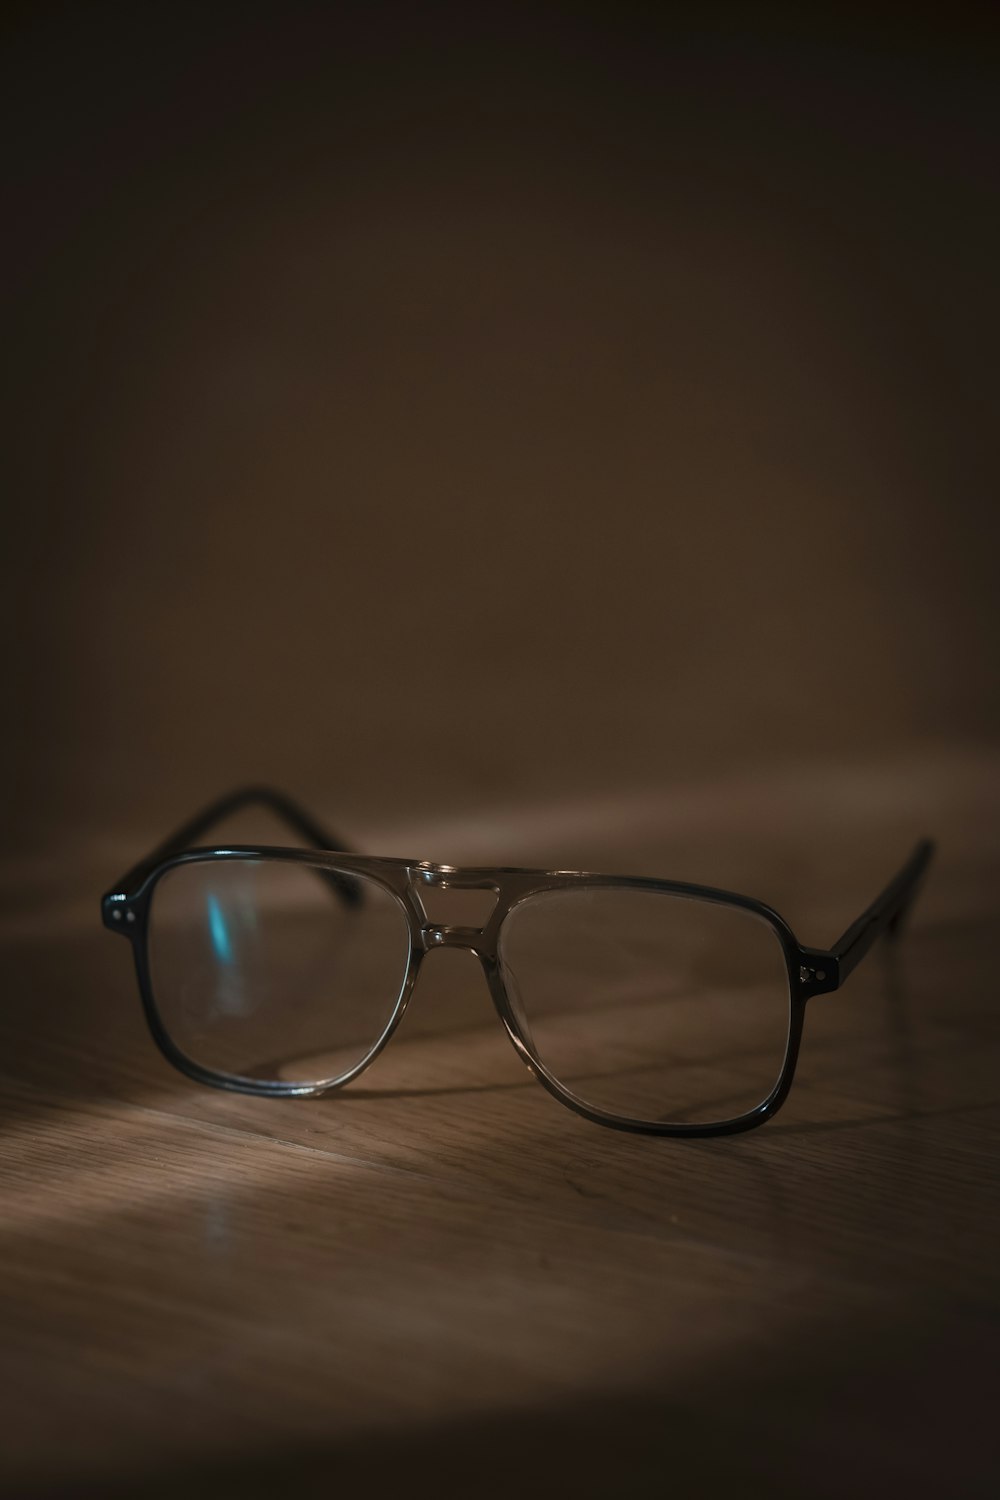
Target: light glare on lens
[260,969]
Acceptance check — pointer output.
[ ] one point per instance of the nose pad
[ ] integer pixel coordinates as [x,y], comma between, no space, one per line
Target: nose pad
[512,988]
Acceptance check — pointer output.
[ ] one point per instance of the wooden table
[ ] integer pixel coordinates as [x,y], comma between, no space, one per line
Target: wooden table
[441,1282]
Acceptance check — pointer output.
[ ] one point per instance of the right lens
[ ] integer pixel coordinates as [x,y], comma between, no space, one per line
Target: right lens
[647,1005]
[270,970]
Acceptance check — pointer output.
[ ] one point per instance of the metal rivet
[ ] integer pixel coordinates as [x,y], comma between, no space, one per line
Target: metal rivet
[820,973]
[130,917]
[116,914]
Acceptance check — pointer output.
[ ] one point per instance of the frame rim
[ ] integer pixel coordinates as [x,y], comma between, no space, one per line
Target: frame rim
[126,911]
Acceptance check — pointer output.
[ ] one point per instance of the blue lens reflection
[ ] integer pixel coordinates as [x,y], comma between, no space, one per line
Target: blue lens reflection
[221,941]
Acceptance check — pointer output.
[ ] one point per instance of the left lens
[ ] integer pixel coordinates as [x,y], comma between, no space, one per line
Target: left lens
[265,970]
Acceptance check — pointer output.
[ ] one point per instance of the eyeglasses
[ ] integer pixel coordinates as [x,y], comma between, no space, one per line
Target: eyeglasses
[646,1005]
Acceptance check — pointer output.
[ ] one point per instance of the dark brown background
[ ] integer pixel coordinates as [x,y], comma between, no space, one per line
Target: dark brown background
[424,408]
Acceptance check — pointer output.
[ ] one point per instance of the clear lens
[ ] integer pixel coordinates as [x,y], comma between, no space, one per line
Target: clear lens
[262,970]
[649,1005]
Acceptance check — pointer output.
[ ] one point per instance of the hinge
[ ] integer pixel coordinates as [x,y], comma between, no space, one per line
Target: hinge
[118,915]
[819,972]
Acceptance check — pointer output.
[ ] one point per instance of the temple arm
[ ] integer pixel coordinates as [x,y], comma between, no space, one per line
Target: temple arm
[886,913]
[189,834]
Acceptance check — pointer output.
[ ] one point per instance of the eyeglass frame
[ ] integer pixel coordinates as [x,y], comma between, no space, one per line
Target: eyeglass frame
[125,910]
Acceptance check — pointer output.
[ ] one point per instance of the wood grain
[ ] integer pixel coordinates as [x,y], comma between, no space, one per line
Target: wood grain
[442,1281]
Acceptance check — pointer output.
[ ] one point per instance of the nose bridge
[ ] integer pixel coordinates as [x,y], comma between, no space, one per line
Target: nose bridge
[427,878]
[435,935]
